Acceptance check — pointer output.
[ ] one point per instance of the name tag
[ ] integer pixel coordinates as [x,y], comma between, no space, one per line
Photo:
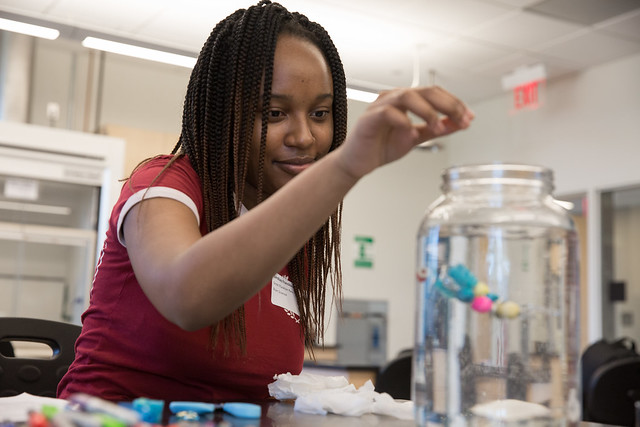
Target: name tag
[282,294]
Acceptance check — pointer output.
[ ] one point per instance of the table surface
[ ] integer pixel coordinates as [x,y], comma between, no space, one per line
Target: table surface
[281,414]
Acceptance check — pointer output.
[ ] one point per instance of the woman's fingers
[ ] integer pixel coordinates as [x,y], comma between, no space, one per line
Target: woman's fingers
[388,129]
[447,126]
[431,104]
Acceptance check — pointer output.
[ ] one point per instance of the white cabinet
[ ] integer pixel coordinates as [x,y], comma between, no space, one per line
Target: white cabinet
[56,192]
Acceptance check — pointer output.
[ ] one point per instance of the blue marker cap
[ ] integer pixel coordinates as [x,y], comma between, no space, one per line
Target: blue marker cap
[149,409]
[242,410]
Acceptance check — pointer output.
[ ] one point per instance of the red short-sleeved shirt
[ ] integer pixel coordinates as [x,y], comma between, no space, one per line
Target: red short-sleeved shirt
[127,349]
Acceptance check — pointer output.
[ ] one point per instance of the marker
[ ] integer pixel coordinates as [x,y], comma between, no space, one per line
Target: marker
[96,405]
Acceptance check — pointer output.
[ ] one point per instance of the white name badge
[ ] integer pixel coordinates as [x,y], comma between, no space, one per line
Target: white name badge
[282,294]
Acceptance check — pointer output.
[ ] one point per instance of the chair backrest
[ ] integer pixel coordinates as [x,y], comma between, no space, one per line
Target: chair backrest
[612,392]
[395,376]
[610,381]
[38,376]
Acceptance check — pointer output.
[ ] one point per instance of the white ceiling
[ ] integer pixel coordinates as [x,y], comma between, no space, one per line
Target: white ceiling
[465,46]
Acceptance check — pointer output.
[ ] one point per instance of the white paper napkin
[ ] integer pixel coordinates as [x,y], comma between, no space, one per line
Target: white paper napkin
[319,394]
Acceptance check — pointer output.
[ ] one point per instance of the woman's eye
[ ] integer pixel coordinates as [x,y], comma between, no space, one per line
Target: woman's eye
[320,114]
[275,114]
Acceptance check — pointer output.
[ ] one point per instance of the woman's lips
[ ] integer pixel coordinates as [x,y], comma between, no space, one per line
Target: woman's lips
[294,167]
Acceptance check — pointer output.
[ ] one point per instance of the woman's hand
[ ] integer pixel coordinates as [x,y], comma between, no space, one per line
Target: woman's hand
[385,132]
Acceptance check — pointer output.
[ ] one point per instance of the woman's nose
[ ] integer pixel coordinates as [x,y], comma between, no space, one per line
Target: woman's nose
[300,133]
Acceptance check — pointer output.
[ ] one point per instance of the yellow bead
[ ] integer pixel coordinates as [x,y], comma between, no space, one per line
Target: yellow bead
[480,289]
[508,310]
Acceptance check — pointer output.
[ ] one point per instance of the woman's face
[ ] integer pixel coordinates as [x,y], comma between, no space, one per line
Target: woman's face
[300,129]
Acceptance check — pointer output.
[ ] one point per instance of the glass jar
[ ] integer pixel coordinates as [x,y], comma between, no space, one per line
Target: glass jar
[497,333]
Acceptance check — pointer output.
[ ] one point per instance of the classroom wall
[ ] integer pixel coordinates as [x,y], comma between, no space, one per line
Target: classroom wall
[587,130]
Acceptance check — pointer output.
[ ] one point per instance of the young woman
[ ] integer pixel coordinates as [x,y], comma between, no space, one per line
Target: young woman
[213,273]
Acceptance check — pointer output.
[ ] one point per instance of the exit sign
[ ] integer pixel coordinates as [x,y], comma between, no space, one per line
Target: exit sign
[527,95]
[526,84]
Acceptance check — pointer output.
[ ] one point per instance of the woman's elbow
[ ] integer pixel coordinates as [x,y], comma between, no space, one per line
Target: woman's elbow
[190,314]
[188,317]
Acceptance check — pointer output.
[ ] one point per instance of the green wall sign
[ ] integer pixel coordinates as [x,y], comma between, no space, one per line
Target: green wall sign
[364,256]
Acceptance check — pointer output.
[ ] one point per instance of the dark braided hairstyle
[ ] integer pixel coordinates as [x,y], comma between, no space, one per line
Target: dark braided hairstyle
[222,101]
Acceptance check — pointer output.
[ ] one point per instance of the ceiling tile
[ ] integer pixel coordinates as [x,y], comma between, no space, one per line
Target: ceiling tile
[375,72]
[591,48]
[554,67]
[586,12]
[519,3]
[121,16]
[464,53]
[28,7]
[470,88]
[523,30]
[189,25]
[625,26]
[439,14]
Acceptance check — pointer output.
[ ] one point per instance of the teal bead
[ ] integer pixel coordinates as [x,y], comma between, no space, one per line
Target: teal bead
[465,294]
[462,276]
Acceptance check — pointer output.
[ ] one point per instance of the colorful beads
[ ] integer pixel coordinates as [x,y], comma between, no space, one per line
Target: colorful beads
[481,304]
[507,310]
[421,274]
[481,288]
[461,284]
[462,276]
[465,294]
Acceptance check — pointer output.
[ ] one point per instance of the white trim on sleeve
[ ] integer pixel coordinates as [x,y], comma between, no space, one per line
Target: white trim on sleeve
[150,193]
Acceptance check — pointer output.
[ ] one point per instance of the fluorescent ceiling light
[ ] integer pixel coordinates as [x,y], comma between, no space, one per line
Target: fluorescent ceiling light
[183,61]
[139,52]
[29,29]
[361,95]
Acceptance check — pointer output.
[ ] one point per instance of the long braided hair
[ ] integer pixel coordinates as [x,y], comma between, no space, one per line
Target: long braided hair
[223,97]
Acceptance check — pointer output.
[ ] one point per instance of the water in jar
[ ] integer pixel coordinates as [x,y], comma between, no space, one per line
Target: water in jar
[496,327]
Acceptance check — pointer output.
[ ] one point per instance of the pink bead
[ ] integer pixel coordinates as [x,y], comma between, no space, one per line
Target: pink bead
[481,303]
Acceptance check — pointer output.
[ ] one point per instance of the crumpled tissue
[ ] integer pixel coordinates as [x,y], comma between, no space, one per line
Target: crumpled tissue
[319,394]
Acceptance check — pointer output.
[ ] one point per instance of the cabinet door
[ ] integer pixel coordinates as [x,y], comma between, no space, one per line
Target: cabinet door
[45,272]
[47,247]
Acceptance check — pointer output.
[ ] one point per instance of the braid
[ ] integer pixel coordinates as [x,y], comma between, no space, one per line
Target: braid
[223,96]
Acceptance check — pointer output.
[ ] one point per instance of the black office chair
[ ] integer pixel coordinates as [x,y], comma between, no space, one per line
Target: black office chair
[610,382]
[33,375]
[6,348]
[395,377]
[612,392]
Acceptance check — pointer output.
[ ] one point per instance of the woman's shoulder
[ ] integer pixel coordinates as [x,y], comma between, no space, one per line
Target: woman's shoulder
[164,164]
[164,171]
